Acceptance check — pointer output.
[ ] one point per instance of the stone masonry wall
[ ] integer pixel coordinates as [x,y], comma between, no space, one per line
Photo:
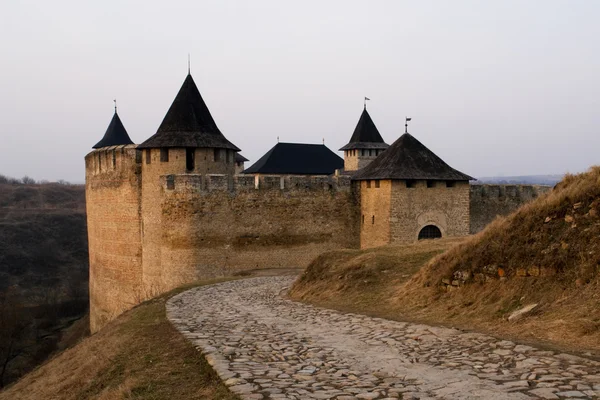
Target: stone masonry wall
[375,213]
[113,218]
[414,208]
[490,201]
[211,229]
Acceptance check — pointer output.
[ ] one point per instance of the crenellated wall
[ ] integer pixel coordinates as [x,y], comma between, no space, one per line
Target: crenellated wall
[490,201]
[213,227]
[113,192]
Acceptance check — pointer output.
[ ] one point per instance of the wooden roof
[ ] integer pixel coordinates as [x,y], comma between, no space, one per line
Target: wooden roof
[366,135]
[297,159]
[188,123]
[407,158]
[115,134]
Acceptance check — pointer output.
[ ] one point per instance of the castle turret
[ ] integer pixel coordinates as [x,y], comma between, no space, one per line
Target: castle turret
[409,193]
[115,134]
[365,144]
[187,141]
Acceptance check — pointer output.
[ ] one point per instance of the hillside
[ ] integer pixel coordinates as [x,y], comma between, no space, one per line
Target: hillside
[547,253]
[139,355]
[43,271]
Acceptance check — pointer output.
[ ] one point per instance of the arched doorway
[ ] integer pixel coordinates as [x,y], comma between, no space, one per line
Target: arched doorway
[430,232]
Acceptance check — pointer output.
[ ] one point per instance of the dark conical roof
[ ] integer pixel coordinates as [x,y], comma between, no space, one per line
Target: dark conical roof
[188,123]
[115,134]
[297,159]
[366,135]
[407,158]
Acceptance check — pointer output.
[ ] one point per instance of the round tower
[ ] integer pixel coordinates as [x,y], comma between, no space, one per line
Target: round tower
[187,142]
[112,190]
[365,144]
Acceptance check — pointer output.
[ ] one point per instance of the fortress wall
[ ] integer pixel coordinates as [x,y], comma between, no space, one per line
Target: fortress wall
[155,275]
[212,229]
[113,218]
[414,208]
[490,201]
[375,206]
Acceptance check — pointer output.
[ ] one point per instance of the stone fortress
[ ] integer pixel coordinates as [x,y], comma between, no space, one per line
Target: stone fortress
[177,208]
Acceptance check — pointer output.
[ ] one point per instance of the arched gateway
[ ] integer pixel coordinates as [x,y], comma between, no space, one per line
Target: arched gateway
[430,232]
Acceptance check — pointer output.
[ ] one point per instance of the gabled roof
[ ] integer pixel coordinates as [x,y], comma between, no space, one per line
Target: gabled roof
[407,158]
[115,134]
[188,123]
[366,135]
[297,159]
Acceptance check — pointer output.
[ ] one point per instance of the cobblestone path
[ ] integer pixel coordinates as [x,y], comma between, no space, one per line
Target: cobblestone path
[264,346]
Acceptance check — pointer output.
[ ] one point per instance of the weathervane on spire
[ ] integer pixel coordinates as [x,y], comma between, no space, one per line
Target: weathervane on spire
[115,100]
[406,124]
[366,99]
[189,65]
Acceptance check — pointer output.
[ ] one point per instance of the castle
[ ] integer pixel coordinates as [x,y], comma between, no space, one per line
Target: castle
[176,208]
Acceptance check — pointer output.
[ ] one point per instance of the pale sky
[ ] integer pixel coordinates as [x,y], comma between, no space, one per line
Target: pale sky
[493,87]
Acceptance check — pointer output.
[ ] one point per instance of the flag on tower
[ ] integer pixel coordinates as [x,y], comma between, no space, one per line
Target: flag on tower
[366,98]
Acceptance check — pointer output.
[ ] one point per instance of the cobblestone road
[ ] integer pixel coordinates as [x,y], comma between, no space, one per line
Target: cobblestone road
[264,346]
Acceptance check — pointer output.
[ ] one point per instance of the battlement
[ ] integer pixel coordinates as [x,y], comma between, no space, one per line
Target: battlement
[489,201]
[208,183]
[507,192]
[108,160]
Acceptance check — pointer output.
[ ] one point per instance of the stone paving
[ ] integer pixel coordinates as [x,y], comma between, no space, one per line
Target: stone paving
[266,347]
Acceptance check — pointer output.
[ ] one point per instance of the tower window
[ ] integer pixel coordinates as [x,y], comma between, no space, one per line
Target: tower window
[450,184]
[114,158]
[148,156]
[376,184]
[217,155]
[170,182]
[363,219]
[373,220]
[368,184]
[411,183]
[190,162]
[430,184]
[164,155]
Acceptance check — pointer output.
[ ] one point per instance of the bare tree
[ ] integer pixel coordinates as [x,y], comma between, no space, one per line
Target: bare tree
[13,335]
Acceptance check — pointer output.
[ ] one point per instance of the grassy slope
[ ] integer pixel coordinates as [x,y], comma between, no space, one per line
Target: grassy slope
[138,356]
[558,234]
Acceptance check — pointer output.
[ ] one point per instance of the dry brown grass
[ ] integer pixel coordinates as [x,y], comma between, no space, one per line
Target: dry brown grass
[558,234]
[138,356]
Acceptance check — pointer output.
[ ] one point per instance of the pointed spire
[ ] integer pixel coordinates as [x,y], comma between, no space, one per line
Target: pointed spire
[366,135]
[115,133]
[188,123]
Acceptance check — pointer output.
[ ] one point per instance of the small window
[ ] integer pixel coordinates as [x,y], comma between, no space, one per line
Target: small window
[411,183]
[376,184]
[430,184]
[450,184]
[170,182]
[362,152]
[363,219]
[114,157]
[99,161]
[138,156]
[368,184]
[370,152]
[148,156]
[164,155]
[217,155]
[190,162]
[373,220]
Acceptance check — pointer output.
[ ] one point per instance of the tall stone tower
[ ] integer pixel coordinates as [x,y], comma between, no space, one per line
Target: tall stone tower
[188,141]
[409,193]
[112,190]
[365,144]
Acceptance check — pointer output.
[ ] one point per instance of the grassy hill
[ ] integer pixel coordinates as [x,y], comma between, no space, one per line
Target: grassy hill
[139,355]
[547,253]
[43,271]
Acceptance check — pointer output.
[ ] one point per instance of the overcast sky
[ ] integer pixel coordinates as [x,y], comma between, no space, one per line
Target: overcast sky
[493,87]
